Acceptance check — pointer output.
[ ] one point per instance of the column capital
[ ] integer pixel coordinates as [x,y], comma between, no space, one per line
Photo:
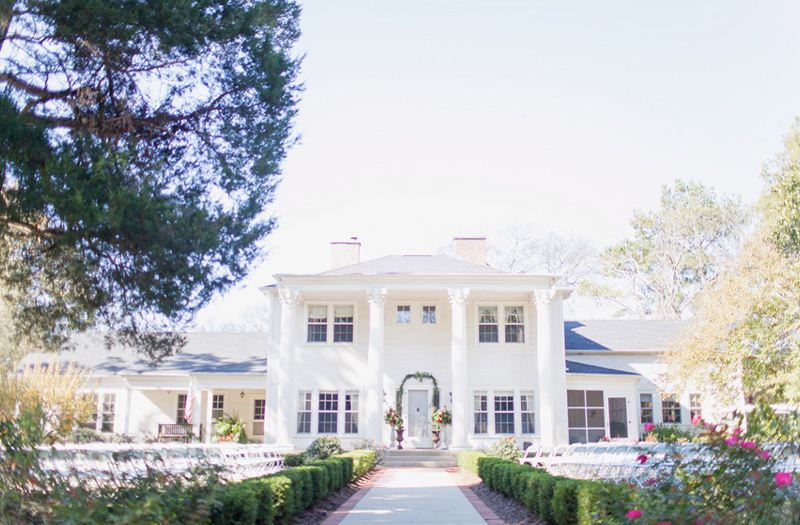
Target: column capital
[458,296]
[289,297]
[376,297]
[542,298]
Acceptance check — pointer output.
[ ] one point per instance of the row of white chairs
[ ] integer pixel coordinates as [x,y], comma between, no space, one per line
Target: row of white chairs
[640,463]
[107,463]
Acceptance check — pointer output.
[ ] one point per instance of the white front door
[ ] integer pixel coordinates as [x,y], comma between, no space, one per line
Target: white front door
[419,420]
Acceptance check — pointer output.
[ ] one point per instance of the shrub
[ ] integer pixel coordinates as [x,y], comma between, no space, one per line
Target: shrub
[668,434]
[320,480]
[237,505]
[370,444]
[486,469]
[282,498]
[294,460]
[266,504]
[468,459]
[604,503]
[547,485]
[85,435]
[565,501]
[362,460]
[531,498]
[302,488]
[323,448]
[505,448]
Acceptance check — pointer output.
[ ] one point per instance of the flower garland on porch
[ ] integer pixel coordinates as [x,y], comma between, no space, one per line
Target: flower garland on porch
[419,376]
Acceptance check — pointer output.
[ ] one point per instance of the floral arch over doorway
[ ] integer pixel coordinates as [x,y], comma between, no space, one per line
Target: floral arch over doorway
[419,376]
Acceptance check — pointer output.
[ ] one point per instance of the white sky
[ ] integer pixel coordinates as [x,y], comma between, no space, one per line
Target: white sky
[426,120]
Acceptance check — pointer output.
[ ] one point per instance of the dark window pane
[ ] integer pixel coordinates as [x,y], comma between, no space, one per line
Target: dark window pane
[351,423]
[527,424]
[596,435]
[317,333]
[504,423]
[481,423]
[488,334]
[594,398]
[342,333]
[577,417]
[515,334]
[327,423]
[575,398]
[577,435]
[304,423]
[596,418]
[617,417]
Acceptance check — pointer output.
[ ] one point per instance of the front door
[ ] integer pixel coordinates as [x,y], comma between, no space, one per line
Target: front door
[419,421]
[618,417]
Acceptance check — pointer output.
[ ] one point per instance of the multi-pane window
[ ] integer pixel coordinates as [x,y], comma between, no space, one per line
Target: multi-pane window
[481,413]
[304,413]
[317,324]
[217,406]
[92,421]
[586,416]
[670,408]
[180,418]
[429,315]
[328,412]
[107,412]
[515,324]
[504,412]
[695,405]
[351,412]
[488,328]
[526,410]
[646,408]
[342,324]
[259,406]
[403,314]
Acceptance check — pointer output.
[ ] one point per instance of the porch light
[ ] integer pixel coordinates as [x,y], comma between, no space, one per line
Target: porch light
[241,394]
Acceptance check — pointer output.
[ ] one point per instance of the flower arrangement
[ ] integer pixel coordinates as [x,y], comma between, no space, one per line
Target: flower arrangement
[442,417]
[393,419]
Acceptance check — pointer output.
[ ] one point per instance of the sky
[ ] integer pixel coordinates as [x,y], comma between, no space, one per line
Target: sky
[421,121]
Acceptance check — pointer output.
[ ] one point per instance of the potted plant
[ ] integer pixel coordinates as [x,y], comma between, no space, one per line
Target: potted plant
[441,418]
[393,419]
[230,428]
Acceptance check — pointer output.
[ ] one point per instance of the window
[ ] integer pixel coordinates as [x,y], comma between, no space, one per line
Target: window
[181,417]
[217,406]
[670,408]
[259,406]
[487,324]
[515,325]
[342,324]
[403,314]
[504,413]
[304,413]
[526,408]
[586,416]
[351,412]
[428,315]
[695,406]
[92,421]
[646,408]
[107,412]
[481,413]
[317,324]
[328,412]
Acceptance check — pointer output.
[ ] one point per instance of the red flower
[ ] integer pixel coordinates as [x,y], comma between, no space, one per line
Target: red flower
[783,478]
[648,427]
[633,513]
[642,459]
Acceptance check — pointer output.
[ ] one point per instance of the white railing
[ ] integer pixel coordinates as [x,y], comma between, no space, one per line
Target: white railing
[642,463]
[110,463]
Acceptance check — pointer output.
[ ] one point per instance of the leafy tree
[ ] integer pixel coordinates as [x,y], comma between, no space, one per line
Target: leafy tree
[140,143]
[675,252]
[745,340]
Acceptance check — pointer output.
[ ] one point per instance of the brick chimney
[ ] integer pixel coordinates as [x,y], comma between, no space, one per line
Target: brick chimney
[345,253]
[472,249]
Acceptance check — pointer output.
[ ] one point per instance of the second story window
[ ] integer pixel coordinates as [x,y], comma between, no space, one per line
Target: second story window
[488,328]
[403,314]
[317,324]
[342,324]
[515,325]
[428,315]
[330,323]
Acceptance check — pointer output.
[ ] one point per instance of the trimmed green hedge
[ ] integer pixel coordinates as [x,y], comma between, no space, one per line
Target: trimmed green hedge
[556,500]
[276,499]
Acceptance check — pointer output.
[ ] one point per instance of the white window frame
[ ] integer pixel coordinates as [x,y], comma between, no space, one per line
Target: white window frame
[348,411]
[307,408]
[435,314]
[529,410]
[695,408]
[652,409]
[397,311]
[341,419]
[677,399]
[501,322]
[330,323]
[217,413]
[490,412]
[258,422]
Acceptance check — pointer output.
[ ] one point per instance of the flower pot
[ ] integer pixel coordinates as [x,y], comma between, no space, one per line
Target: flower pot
[435,438]
[399,432]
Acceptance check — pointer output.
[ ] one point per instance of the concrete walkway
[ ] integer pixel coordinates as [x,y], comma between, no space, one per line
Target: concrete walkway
[414,495]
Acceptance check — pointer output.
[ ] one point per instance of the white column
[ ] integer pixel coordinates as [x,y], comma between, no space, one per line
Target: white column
[559,373]
[207,425]
[552,374]
[283,368]
[196,418]
[459,367]
[374,404]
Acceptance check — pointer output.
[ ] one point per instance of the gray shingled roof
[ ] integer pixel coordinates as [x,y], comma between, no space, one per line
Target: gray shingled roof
[206,353]
[583,368]
[621,334]
[414,264]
